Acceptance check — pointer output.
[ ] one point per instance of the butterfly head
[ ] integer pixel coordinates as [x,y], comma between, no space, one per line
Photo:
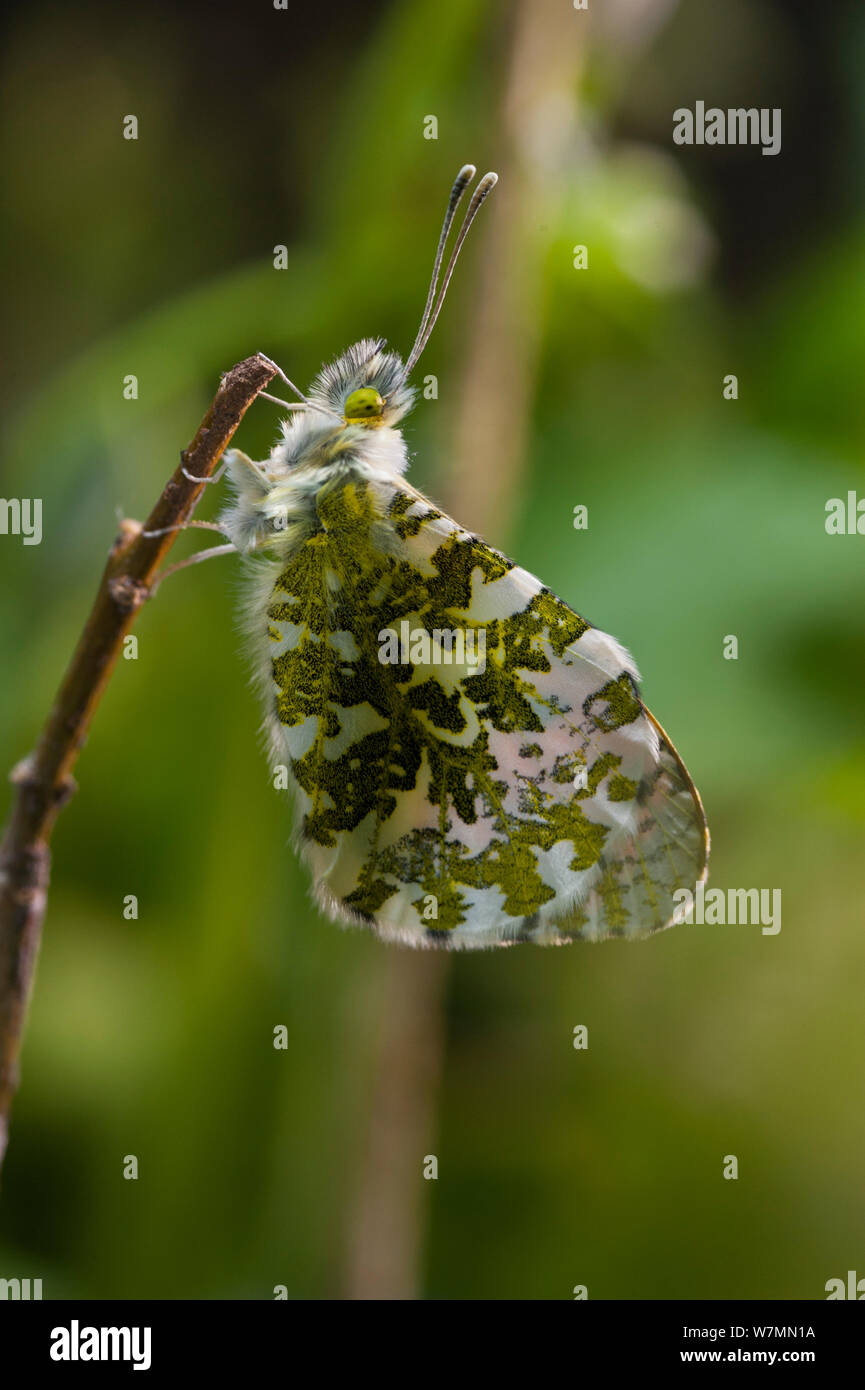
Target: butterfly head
[365,387]
[365,406]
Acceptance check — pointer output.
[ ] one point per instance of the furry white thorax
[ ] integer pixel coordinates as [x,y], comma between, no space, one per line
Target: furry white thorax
[276,499]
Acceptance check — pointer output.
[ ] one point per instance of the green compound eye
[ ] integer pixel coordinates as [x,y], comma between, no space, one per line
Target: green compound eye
[364,407]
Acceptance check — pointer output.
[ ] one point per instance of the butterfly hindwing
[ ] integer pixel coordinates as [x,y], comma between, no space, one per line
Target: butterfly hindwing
[473,762]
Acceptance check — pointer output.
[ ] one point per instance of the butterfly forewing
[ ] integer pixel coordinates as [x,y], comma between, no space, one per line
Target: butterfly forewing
[473,762]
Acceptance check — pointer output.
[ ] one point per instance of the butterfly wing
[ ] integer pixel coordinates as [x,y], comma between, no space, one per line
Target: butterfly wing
[473,761]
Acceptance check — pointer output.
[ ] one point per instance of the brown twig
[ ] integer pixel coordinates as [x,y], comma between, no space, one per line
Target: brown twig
[43,781]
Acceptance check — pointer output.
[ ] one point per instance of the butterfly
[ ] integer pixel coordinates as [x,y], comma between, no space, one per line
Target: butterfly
[472,762]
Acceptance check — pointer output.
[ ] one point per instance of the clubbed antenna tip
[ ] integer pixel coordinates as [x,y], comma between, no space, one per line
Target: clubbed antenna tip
[434,302]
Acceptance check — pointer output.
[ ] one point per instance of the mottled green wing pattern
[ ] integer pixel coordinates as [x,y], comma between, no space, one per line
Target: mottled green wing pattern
[473,763]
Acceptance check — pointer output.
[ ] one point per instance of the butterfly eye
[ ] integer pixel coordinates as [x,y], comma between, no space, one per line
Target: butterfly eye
[364,406]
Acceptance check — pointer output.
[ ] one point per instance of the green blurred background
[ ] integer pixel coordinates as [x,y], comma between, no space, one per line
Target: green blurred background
[304,1167]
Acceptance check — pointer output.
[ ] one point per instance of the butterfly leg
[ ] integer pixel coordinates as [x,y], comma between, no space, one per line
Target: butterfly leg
[303,404]
[184,526]
[286,379]
[286,405]
[195,559]
[212,478]
[235,455]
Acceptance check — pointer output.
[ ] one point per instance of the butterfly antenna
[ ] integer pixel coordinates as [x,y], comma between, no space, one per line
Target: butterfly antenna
[461,183]
[431,312]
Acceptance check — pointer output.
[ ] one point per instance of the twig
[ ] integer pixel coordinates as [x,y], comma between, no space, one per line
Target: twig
[43,781]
